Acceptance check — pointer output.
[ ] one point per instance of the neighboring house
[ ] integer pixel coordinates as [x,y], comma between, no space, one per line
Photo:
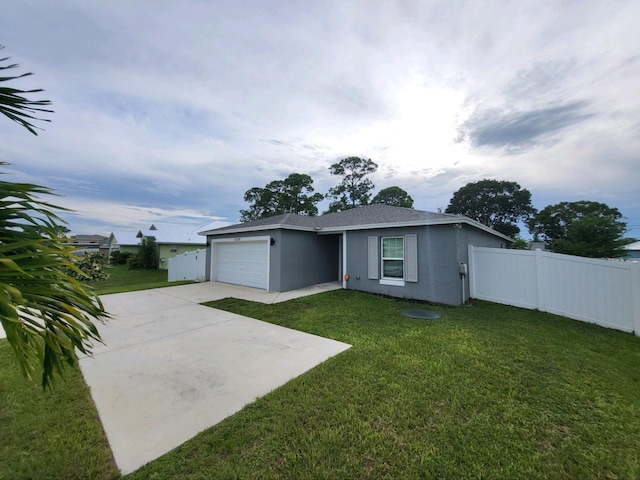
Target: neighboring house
[170,239]
[124,242]
[174,240]
[90,244]
[393,251]
[633,251]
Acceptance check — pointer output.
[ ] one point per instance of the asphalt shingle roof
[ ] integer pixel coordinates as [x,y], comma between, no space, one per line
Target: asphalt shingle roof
[368,215]
[380,214]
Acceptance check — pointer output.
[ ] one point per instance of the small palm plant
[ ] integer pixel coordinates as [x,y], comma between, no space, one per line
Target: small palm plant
[46,313]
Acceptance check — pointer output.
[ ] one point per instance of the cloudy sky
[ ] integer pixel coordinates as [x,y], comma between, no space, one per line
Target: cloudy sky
[168,111]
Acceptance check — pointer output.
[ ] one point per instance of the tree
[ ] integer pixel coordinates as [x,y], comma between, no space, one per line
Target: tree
[294,194]
[494,203]
[394,196]
[45,312]
[519,244]
[146,257]
[584,228]
[354,189]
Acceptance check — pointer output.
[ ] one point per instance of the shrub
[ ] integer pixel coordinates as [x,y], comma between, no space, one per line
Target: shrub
[133,263]
[147,256]
[91,267]
[120,258]
[520,244]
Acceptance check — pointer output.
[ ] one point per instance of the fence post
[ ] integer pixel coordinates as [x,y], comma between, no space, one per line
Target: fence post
[539,273]
[635,295]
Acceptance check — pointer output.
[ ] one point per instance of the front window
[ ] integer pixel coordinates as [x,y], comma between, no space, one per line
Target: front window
[393,257]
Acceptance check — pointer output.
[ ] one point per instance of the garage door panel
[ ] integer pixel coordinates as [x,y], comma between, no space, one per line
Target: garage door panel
[243,263]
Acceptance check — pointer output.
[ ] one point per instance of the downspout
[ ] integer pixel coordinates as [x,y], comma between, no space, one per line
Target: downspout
[344,260]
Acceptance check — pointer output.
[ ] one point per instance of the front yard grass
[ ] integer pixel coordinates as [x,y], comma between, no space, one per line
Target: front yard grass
[49,435]
[488,391]
[121,279]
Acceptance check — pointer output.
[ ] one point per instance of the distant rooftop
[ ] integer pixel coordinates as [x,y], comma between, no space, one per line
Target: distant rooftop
[88,240]
[633,246]
[162,233]
[174,234]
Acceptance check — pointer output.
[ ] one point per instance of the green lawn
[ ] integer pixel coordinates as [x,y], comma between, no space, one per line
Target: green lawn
[49,435]
[488,391]
[122,279]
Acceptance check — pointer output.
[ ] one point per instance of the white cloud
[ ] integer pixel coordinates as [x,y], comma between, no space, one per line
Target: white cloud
[185,105]
[130,217]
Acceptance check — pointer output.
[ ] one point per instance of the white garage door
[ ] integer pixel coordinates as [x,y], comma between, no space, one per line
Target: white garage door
[242,263]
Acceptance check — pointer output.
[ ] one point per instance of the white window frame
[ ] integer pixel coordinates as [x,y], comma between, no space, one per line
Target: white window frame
[399,282]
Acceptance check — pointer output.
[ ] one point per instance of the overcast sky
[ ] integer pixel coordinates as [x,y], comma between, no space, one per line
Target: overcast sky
[168,111]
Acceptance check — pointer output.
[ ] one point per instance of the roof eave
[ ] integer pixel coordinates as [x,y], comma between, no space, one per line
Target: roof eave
[416,223]
[177,242]
[368,226]
[371,226]
[277,226]
[480,226]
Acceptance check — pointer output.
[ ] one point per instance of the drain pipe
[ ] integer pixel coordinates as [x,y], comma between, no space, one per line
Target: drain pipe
[345,275]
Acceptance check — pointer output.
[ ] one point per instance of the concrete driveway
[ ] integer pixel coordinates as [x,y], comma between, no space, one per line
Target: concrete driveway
[172,368]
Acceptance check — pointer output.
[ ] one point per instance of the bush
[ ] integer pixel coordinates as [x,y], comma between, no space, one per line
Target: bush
[520,244]
[147,256]
[120,258]
[92,267]
[133,263]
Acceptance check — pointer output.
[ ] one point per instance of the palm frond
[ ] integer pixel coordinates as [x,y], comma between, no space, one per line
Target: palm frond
[46,313]
[15,105]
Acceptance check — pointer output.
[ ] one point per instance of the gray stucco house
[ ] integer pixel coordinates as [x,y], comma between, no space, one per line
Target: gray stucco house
[393,251]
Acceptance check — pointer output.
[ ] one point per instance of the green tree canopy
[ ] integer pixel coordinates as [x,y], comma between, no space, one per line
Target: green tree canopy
[294,194]
[354,189]
[46,313]
[494,203]
[584,228]
[394,196]
[146,258]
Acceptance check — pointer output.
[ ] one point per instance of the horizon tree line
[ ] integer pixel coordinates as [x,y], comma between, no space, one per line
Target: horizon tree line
[585,228]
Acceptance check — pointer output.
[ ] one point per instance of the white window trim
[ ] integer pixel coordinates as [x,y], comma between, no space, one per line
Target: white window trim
[397,282]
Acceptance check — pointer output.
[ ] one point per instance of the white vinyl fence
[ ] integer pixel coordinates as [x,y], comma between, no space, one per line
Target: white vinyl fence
[605,292]
[188,266]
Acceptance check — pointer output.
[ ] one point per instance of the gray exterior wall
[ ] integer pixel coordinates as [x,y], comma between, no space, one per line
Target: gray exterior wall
[441,248]
[301,258]
[307,259]
[298,258]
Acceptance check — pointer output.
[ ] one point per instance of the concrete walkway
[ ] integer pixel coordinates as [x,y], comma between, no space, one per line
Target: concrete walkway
[172,368]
